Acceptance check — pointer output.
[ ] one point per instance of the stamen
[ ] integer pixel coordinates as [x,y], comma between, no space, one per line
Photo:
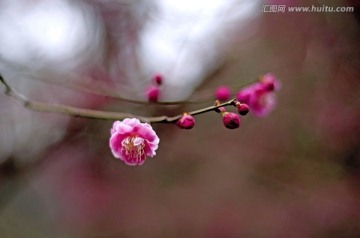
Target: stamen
[135,152]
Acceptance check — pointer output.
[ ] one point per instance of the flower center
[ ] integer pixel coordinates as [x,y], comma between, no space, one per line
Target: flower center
[134,147]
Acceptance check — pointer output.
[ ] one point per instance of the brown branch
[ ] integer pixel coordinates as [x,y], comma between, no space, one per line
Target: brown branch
[96,114]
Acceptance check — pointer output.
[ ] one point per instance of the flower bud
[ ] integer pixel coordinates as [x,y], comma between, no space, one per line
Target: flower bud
[157,79]
[222,93]
[243,109]
[186,122]
[231,120]
[152,93]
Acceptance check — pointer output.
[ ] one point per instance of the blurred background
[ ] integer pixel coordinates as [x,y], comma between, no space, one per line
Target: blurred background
[295,173]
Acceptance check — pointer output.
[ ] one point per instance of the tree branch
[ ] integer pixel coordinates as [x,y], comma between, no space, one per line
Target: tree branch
[96,114]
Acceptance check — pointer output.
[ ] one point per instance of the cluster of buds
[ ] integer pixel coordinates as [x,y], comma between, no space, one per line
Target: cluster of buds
[258,98]
[153,90]
[232,120]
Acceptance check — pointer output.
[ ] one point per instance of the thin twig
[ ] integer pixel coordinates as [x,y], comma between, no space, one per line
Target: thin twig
[96,114]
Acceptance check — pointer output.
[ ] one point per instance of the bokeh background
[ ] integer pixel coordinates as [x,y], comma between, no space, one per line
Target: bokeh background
[295,173]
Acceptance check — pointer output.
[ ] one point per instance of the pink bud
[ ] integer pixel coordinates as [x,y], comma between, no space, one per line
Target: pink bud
[152,93]
[186,122]
[231,120]
[243,109]
[223,93]
[157,79]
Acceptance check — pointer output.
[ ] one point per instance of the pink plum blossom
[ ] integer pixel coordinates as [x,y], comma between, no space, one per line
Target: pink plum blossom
[132,141]
[262,102]
[260,96]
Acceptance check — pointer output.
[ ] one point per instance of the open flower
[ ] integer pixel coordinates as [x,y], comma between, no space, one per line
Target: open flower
[260,96]
[262,101]
[132,141]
